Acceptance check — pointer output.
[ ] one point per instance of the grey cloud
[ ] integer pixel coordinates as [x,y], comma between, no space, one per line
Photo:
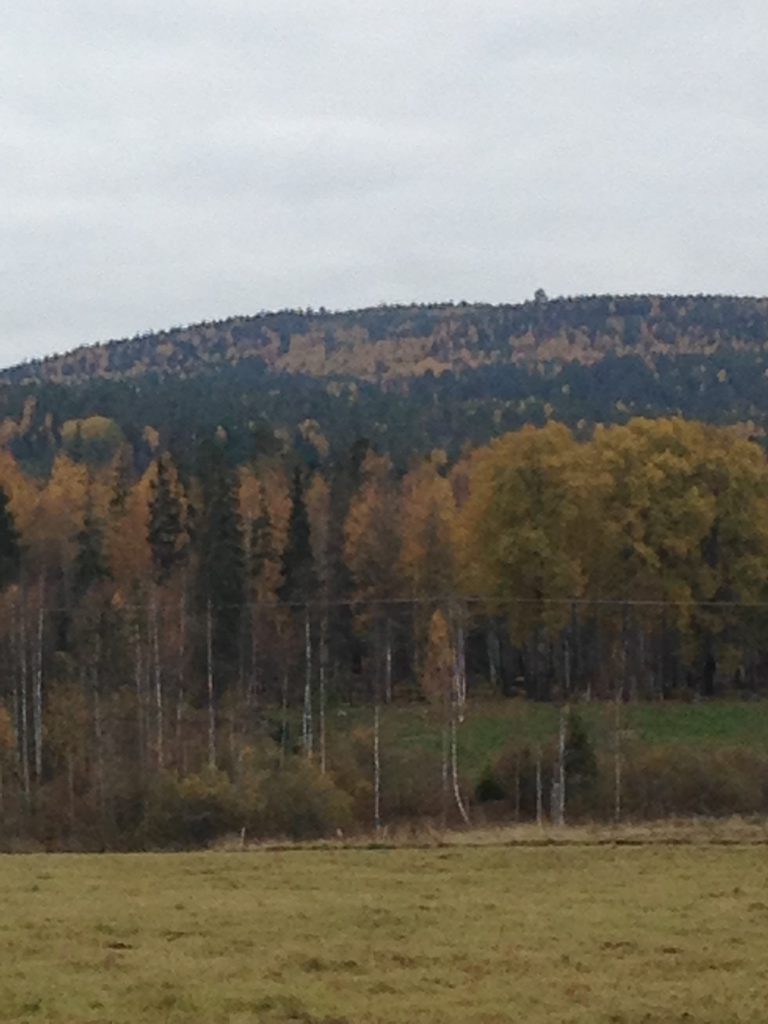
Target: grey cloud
[161,163]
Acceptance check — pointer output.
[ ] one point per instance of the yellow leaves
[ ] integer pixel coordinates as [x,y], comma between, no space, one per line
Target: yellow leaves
[97,438]
[668,497]
[126,541]
[22,492]
[659,510]
[372,531]
[58,514]
[7,734]
[318,501]
[8,430]
[152,438]
[523,522]
[311,432]
[428,524]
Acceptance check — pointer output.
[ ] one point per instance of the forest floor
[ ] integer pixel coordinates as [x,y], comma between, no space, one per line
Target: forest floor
[457,934]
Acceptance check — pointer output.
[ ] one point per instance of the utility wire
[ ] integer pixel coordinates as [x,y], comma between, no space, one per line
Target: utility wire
[437,600]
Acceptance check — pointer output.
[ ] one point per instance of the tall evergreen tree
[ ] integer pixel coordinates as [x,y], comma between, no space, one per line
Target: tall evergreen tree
[121,483]
[90,563]
[221,578]
[261,548]
[165,525]
[10,543]
[299,577]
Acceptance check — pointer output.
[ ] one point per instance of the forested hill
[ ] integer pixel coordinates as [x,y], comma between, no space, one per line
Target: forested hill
[407,378]
[389,343]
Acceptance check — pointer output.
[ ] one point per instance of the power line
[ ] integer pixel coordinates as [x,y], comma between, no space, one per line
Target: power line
[433,600]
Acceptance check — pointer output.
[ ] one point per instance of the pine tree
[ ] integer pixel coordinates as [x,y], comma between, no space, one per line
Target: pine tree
[10,546]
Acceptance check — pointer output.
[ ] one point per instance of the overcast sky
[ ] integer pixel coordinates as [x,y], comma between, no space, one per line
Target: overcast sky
[165,161]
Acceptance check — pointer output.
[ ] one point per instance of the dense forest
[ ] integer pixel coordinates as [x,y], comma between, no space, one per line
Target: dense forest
[166,636]
[407,379]
[213,542]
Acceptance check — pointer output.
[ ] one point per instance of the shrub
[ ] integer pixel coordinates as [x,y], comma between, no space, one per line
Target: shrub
[681,780]
[191,811]
[581,768]
[300,803]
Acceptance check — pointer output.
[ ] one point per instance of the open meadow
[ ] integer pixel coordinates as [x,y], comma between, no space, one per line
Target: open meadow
[584,934]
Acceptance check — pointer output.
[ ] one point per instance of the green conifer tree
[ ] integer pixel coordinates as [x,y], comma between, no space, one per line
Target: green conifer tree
[261,548]
[299,578]
[165,525]
[10,543]
[90,563]
[221,558]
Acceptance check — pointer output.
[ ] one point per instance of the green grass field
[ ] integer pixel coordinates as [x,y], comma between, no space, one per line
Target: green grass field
[490,725]
[456,935]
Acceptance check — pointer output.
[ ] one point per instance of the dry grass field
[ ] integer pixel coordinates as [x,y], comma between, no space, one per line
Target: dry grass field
[584,934]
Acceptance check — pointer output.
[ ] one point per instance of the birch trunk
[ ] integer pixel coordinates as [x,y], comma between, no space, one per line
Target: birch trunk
[37,704]
[455,772]
[98,732]
[323,676]
[283,717]
[180,688]
[539,790]
[71,791]
[458,701]
[561,780]
[376,764]
[388,662]
[517,786]
[567,666]
[306,721]
[139,683]
[24,701]
[253,682]
[617,765]
[158,678]
[618,701]
[444,770]
[209,677]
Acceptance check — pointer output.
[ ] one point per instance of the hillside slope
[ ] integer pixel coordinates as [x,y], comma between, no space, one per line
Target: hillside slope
[408,379]
[393,342]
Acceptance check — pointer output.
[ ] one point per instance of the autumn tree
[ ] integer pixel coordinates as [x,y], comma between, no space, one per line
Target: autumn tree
[523,531]
[441,682]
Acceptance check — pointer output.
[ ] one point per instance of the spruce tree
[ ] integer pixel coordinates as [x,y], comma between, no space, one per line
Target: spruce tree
[221,577]
[261,548]
[299,578]
[165,525]
[10,546]
[121,485]
[580,760]
[90,563]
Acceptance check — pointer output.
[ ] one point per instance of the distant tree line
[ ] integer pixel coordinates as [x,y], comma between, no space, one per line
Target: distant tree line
[407,378]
